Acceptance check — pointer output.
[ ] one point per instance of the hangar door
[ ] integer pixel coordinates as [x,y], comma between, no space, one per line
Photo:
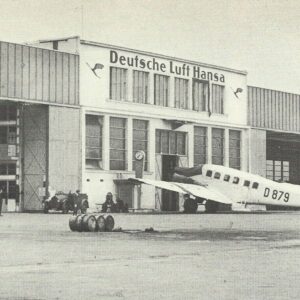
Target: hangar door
[34,121]
[283,157]
[170,152]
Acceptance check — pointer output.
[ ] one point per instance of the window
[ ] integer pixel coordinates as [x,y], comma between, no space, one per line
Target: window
[235,149]
[8,112]
[118,83]
[140,86]
[200,95]
[246,183]
[255,185]
[217,175]
[278,170]
[217,99]
[8,135]
[217,146]
[93,141]
[8,169]
[140,140]
[161,90]
[235,180]
[208,173]
[170,142]
[181,93]
[200,145]
[226,178]
[117,143]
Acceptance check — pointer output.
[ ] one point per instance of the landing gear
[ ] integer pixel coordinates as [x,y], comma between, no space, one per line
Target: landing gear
[190,206]
[211,207]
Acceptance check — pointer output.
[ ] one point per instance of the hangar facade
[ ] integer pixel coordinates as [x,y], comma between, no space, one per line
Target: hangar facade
[39,124]
[179,112]
[274,117]
[74,113]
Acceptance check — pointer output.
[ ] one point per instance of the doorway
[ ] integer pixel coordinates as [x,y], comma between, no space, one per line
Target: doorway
[170,199]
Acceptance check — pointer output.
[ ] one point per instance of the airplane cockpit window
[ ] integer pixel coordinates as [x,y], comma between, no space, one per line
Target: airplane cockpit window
[208,173]
[255,185]
[217,175]
[226,178]
[235,180]
[246,183]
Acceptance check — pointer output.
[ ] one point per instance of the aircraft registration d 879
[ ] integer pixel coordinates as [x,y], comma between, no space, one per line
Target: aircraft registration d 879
[213,184]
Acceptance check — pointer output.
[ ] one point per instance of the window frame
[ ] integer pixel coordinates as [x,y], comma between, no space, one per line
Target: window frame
[181,93]
[118,90]
[124,138]
[94,162]
[137,90]
[200,104]
[161,94]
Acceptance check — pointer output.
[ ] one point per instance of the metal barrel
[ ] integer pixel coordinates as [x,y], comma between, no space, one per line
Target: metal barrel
[72,223]
[89,223]
[109,223]
[79,224]
[100,223]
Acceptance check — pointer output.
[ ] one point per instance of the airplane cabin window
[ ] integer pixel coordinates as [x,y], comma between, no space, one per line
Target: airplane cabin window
[246,183]
[226,177]
[235,180]
[255,185]
[217,175]
[208,173]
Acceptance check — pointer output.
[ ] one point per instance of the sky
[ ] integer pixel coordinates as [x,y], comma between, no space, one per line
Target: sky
[261,37]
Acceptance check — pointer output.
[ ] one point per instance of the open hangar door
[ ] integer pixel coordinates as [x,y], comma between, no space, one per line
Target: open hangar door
[283,157]
[34,150]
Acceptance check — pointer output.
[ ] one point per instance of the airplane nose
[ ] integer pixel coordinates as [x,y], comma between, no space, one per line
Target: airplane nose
[188,172]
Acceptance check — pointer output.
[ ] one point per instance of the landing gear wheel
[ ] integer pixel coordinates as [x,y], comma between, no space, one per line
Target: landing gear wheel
[211,207]
[190,206]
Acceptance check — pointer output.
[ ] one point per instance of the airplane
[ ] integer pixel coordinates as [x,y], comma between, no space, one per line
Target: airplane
[211,185]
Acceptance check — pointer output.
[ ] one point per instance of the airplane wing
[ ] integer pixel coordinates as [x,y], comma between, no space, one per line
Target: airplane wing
[185,188]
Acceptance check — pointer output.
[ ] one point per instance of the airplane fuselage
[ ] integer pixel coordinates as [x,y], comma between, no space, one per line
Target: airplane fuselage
[243,187]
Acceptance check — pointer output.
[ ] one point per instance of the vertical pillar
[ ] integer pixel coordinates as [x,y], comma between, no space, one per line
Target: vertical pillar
[106,145]
[129,143]
[226,147]
[209,143]
[190,94]
[129,85]
[171,91]
[151,89]
[190,146]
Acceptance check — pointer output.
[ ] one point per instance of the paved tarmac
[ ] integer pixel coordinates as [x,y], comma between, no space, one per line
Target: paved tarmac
[222,256]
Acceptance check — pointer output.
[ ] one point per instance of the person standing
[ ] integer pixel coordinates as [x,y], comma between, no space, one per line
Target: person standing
[2,196]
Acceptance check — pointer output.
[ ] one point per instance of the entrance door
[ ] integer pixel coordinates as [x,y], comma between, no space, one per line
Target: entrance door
[170,199]
[10,190]
[125,193]
[35,120]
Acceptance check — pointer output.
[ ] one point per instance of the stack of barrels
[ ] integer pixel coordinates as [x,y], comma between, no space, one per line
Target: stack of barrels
[92,223]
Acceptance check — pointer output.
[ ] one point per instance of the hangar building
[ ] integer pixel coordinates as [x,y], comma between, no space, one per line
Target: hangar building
[39,124]
[74,113]
[274,117]
[179,112]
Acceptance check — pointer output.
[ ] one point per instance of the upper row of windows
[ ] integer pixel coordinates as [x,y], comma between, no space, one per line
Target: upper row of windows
[235,180]
[201,93]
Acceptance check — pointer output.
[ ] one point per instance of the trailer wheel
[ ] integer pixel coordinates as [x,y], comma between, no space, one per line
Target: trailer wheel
[65,207]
